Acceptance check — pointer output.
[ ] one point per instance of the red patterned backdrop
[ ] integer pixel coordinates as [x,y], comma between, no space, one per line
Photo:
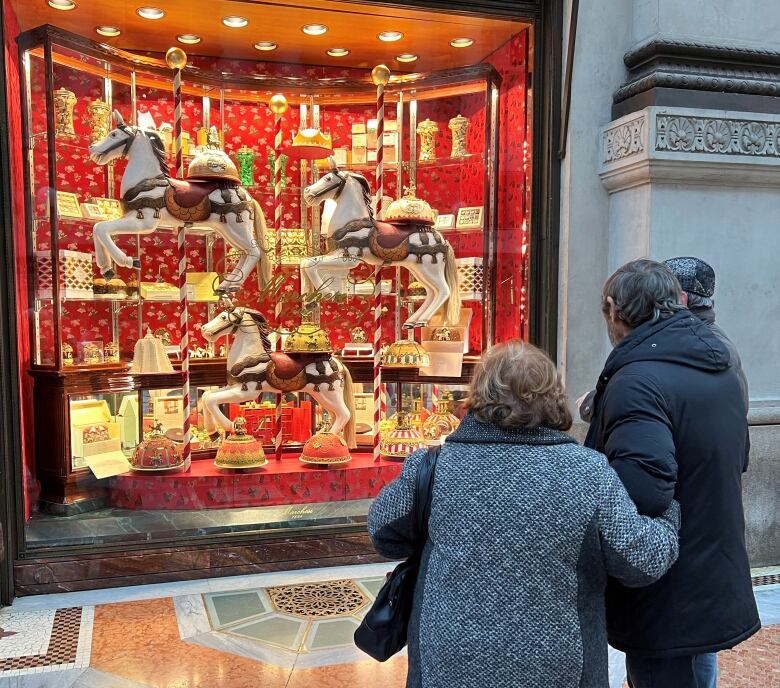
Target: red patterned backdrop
[446,187]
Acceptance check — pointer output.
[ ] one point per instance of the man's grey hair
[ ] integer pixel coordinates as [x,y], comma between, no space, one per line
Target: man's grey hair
[698,303]
[643,291]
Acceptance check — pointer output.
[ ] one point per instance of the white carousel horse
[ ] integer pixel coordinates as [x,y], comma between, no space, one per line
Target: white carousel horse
[361,239]
[151,197]
[253,368]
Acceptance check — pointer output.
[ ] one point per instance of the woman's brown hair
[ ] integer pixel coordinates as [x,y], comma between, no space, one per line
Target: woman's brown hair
[517,386]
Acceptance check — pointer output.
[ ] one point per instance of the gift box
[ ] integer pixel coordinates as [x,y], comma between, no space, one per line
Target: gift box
[94,432]
[75,274]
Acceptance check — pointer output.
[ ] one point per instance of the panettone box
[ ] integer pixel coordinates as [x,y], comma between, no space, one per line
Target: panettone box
[93,431]
[75,274]
[459,332]
[200,286]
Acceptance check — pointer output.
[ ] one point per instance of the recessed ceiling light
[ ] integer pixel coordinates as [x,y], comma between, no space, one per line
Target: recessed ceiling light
[235,22]
[461,42]
[62,4]
[109,31]
[188,38]
[406,57]
[266,46]
[338,52]
[150,12]
[390,36]
[314,29]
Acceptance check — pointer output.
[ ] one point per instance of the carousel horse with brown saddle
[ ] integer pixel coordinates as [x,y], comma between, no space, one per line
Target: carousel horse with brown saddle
[150,197]
[360,238]
[253,368]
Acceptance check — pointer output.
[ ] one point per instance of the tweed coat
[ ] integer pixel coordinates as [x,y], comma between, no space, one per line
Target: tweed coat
[524,528]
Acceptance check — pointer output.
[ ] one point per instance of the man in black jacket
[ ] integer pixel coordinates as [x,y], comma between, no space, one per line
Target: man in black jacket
[671,416]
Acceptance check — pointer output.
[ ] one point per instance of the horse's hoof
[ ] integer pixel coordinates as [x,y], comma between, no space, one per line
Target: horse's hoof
[109,274]
[136,263]
[409,326]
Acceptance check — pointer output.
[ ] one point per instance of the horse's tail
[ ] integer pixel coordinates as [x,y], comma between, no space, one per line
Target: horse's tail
[260,231]
[349,400]
[451,276]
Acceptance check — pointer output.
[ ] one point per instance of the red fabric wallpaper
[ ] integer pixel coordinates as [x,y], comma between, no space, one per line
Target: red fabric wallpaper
[447,187]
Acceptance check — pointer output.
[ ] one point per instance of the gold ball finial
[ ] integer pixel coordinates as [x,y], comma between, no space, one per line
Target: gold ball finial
[176,58]
[380,75]
[278,104]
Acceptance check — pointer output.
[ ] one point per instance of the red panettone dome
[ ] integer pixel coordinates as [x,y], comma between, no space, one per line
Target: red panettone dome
[240,449]
[325,448]
[156,453]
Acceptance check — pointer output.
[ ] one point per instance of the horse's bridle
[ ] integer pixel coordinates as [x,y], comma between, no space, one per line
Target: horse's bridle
[127,143]
[232,324]
[340,184]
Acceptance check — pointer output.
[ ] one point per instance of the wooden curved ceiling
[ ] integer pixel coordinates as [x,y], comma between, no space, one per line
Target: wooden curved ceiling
[351,26]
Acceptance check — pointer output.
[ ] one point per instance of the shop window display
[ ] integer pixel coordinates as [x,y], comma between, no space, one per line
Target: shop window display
[257,281]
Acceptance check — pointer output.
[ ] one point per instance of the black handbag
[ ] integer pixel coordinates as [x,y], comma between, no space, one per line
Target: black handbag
[383,631]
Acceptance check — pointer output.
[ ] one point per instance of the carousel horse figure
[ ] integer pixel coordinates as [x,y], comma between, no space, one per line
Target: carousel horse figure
[211,197]
[360,238]
[254,368]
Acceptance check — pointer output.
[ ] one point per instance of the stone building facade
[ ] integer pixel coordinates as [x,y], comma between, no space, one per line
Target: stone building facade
[674,149]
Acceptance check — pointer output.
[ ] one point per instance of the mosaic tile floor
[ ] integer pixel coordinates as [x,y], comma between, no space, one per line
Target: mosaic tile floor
[286,630]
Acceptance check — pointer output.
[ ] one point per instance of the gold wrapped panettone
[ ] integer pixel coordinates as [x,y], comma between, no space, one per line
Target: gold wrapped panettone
[401,440]
[442,423]
[213,164]
[325,448]
[416,291]
[239,449]
[308,338]
[410,209]
[405,353]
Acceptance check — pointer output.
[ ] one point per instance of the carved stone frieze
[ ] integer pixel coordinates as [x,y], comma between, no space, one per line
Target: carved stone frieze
[624,140]
[700,67]
[720,136]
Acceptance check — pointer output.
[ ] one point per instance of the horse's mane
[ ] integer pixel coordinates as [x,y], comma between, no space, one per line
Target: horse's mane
[158,148]
[366,190]
[262,325]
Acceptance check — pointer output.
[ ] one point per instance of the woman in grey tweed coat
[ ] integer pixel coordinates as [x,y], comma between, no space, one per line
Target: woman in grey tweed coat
[525,526]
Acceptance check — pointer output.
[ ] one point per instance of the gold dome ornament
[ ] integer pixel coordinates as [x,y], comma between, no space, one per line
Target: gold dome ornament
[410,209]
[308,338]
[213,164]
[278,104]
[402,440]
[176,58]
[380,75]
[156,453]
[405,353]
[240,450]
[441,423]
[325,448]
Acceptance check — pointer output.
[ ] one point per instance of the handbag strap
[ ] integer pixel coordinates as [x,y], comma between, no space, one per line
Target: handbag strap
[423,494]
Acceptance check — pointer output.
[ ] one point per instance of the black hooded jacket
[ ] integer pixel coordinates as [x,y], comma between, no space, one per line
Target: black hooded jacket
[671,416]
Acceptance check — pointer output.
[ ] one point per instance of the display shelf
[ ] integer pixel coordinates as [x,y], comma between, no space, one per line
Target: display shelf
[285,481]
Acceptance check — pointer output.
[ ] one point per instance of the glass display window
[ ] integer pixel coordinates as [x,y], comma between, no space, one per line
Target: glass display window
[263,264]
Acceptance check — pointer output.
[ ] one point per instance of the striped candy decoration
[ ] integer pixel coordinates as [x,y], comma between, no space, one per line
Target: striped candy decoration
[380,76]
[184,345]
[278,105]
